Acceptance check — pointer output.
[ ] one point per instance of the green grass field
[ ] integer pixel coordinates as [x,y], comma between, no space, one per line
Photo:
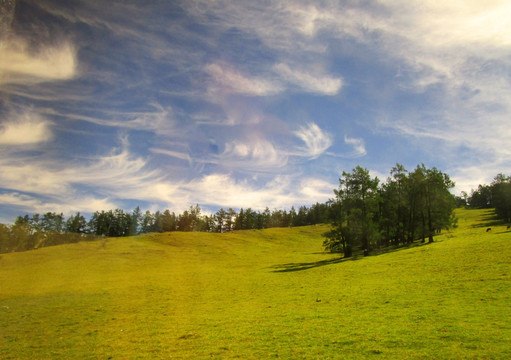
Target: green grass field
[260,295]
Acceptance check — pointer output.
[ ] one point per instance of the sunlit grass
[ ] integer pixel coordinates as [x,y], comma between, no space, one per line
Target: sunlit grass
[258,295]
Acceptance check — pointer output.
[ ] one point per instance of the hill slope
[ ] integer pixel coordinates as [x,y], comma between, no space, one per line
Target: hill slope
[259,294]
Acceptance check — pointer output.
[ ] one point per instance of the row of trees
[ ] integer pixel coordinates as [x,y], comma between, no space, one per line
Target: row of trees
[29,232]
[23,236]
[367,214]
[496,195]
[119,223]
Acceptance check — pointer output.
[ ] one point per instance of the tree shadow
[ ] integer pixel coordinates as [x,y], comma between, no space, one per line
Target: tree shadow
[290,267]
[489,220]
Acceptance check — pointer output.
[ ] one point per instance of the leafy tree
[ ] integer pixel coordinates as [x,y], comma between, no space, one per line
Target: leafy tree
[136,218]
[501,195]
[21,238]
[439,202]
[336,238]
[230,218]
[481,198]
[168,221]
[220,220]
[4,239]
[76,224]
[249,220]
[52,222]
[147,222]
[357,204]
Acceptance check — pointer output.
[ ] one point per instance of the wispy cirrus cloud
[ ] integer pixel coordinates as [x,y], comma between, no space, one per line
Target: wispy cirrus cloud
[215,97]
[309,82]
[358,146]
[316,140]
[257,155]
[280,192]
[20,64]
[116,174]
[281,78]
[24,129]
[228,80]
[157,118]
[66,205]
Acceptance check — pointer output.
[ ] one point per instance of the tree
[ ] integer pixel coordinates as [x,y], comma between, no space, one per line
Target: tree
[168,221]
[336,240]
[52,222]
[481,198]
[20,238]
[76,224]
[136,217]
[357,203]
[147,222]
[230,218]
[4,238]
[440,203]
[392,211]
[501,195]
[220,220]
[239,220]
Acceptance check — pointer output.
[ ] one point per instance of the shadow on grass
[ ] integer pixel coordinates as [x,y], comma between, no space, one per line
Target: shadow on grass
[490,219]
[290,267]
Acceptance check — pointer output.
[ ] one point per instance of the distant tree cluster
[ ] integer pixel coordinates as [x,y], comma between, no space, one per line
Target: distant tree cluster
[409,206]
[496,195]
[365,214]
[31,232]
[42,230]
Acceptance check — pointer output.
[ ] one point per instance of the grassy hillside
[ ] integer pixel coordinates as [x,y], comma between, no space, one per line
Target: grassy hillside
[258,295]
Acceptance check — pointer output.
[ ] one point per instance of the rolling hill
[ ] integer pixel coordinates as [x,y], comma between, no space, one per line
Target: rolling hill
[260,294]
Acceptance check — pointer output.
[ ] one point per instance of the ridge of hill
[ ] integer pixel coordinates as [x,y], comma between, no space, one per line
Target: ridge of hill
[260,294]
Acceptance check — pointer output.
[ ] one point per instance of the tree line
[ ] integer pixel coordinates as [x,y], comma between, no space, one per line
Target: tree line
[496,195]
[35,231]
[366,214]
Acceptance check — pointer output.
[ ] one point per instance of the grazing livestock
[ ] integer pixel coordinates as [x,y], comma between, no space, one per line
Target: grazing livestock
[488,229]
[508,227]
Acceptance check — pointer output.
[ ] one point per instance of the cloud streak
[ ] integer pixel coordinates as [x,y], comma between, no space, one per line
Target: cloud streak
[231,81]
[21,65]
[313,83]
[24,129]
[223,102]
[316,140]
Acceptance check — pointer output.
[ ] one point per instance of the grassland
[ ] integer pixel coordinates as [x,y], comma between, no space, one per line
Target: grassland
[260,295]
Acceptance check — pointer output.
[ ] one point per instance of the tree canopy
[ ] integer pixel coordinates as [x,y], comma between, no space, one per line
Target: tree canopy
[367,214]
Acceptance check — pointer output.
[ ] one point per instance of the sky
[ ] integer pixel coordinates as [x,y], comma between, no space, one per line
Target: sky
[166,104]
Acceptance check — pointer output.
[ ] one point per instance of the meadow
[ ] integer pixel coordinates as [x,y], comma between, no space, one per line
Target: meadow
[260,294]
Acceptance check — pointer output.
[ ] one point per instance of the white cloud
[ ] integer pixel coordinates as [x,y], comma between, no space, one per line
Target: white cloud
[471,176]
[119,175]
[160,121]
[316,140]
[255,154]
[26,128]
[358,146]
[223,190]
[66,205]
[316,190]
[229,80]
[174,154]
[309,82]
[21,65]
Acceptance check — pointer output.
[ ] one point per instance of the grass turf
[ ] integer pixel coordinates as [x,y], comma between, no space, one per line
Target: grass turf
[260,294]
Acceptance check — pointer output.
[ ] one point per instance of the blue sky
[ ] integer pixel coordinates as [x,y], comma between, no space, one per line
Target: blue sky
[166,104]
